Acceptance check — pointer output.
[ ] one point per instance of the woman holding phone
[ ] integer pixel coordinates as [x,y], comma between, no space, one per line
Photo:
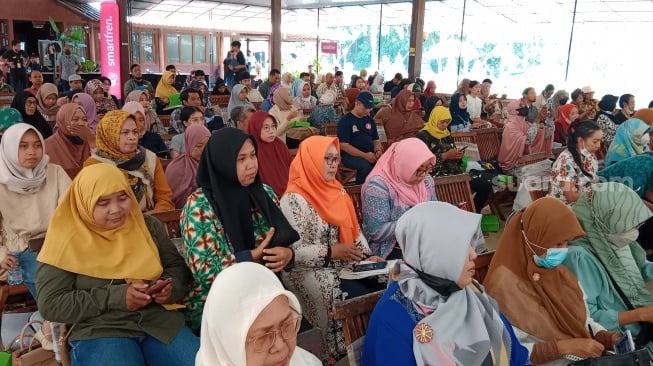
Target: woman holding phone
[113,273]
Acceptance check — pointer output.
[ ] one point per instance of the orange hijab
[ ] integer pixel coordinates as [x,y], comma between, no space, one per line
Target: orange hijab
[328,198]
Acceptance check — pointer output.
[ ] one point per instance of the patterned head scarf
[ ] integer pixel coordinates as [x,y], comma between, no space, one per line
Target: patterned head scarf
[627,141]
[9,117]
[108,135]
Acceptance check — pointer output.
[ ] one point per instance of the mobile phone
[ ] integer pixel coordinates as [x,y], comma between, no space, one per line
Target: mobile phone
[370,266]
[463,148]
[625,344]
[156,287]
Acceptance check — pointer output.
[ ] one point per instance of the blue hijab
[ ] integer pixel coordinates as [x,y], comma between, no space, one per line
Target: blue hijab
[627,141]
[296,91]
[460,118]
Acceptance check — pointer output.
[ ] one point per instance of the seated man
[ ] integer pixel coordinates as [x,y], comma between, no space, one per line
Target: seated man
[253,95]
[191,98]
[359,139]
[240,117]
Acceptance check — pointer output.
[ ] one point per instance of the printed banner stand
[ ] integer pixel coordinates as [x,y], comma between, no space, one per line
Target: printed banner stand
[110,45]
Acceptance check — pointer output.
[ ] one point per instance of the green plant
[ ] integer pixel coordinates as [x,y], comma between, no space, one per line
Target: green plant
[74,38]
[89,66]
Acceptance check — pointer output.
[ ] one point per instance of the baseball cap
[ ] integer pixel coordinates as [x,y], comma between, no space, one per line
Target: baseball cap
[587,89]
[74,77]
[366,99]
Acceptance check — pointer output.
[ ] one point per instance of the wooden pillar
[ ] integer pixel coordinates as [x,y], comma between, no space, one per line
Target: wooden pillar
[416,39]
[125,42]
[275,10]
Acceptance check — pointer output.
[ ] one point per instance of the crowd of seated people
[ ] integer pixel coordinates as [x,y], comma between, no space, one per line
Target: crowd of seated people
[257,188]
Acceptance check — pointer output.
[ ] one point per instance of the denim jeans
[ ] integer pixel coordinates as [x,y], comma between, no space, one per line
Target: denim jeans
[362,166]
[27,262]
[140,351]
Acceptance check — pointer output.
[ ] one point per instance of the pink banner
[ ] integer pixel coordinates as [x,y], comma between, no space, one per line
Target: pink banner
[110,45]
[329,47]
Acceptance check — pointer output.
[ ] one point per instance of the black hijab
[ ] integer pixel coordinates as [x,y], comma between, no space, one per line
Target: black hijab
[232,202]
[429,105]
[36,120]
[607,105]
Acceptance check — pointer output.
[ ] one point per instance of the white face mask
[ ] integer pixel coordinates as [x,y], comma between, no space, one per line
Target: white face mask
[646,138]
[622,239]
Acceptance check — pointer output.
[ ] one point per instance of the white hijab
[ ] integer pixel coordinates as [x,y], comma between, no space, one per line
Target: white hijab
[12,174]
[237,296]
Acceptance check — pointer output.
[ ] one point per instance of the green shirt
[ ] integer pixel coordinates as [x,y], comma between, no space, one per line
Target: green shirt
[97,307]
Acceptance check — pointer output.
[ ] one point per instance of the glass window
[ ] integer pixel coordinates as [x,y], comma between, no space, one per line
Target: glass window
[199,49]
[147,46]
[136,46]
[173,48]
[186,49]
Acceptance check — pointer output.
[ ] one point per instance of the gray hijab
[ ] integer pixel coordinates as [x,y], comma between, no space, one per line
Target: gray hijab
[465,326]
[235,101]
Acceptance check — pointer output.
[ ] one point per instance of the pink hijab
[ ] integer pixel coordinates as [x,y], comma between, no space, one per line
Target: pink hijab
[398,164]
[513,144]
[182,171]
[90,108]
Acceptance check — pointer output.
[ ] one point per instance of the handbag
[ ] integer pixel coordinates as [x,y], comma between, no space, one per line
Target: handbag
[29,356]
[634,358]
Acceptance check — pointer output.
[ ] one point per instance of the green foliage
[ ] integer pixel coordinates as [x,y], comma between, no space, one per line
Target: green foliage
[74,38]
[89,66]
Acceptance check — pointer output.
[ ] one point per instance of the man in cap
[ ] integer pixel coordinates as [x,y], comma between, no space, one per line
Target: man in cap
[359,140]
[591,105]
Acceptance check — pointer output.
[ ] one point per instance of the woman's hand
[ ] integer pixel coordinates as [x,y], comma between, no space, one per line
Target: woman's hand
[293,113]
[136,297]
[9,262]
[346,252]
[162,296]
[452,154]
[375,258]
[257,253]
[82,131]
[277,258]
[581,347]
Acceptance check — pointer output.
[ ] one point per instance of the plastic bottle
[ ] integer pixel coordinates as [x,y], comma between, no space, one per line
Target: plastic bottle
[15,275]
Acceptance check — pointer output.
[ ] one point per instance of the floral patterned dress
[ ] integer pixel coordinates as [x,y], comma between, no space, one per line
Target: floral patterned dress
[315,279]
[565,169]
[208,250]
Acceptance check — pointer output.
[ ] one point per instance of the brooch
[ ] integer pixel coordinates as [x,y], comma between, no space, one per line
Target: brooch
[536,277]
[423,333]
[354,129]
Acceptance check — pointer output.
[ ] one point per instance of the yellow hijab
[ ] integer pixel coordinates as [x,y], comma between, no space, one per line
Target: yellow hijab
[163,89]
[75,243]
[438,114]
[108,135]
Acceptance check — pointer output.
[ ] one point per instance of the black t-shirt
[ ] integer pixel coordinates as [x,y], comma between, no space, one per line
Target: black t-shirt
[18,58]
[359,132]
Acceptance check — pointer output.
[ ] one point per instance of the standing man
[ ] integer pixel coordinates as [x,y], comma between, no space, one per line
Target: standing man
[17,60]
[234,63]
[66,66]
[137,80]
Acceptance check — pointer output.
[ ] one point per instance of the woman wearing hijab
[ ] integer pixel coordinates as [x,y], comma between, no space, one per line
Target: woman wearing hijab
[429,91]
[541,298]
[400,121]
[610,265]
[259,296]
[232,217]
[377,84]
[164,90]
[8,118]
[435,314]
[305,100]
[30,190]
[285,114]
[567,114]
[238,98]
[559,99]
[430,103]
[398,181]
[316,206]
[25,102]
[151,118]
[117,144]
[47,102]
[295,89]
[461,121]
[115,275]
[631,139]
[606,119]
[181,173]
[103,104]
[439,141]
[87,102]
[324,112]
[273,156]
[149,140]
[69,146]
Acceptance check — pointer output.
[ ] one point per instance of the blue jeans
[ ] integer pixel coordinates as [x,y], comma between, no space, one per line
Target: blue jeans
[362,166]
[27,262]
[140,351]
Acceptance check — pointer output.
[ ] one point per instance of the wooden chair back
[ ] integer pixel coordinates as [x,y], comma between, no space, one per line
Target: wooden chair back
[165,120]
[346,176]
[487,140]
[482,265]
[257,105]
[220,100]
[16,294]
[455,189]
[312,341]
[170,219]
[355,315]
[354,193]
[532,158]
[5,99]
[307,111]
[331,129]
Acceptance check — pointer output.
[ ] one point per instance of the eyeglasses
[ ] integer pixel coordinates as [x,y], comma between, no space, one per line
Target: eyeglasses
[287,330]
[333,160]
[30,102]
[423,171]
[269,128]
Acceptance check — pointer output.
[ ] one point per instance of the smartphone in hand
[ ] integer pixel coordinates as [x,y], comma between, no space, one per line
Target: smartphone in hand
[158,286]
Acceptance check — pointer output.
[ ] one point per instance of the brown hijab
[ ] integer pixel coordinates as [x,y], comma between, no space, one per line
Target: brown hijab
[283,99]
[62,150]
[400,122]
[545,303]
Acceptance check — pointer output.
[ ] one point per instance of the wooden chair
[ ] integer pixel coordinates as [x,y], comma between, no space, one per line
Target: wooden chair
[532,158]
[355,315]
[455,189]
[354,193]
[307,111]
[72,172]
[15,294]
[170,219]
[331,129]
[220,100]
[487,140]
[346,176]
[165,120]
[482,265]
[311,340]
[5,99]
[257,105]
